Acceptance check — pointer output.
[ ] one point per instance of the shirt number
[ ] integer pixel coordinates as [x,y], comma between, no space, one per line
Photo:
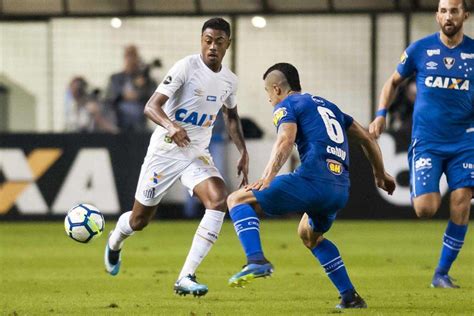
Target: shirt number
[333,128]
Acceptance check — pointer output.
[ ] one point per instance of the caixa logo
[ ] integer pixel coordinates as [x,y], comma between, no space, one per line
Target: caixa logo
[90,179]
[423,163]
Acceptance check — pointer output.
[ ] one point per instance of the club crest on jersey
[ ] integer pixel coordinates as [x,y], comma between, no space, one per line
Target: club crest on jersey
[447,83]
[195,118]
[211,98]
[449,62]
[278,115]
[403,58]
[335,167]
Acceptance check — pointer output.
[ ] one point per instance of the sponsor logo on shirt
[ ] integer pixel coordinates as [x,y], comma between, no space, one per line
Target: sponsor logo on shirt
[423,163]
[195,118]
[211,98]
[468,165]
[336,151]
[449,62]
[335,167]
[432,52]
[403,58]
[447,83]
[167,80]
[467,56]
[431,65]
[278,115]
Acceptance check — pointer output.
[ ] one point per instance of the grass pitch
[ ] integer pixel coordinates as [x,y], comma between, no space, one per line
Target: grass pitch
[43,272]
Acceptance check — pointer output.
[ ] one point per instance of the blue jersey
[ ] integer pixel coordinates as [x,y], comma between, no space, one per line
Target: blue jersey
[444,110]
[321,136]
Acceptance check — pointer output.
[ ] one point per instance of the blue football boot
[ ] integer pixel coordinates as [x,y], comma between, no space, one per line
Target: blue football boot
[443,281]
[112,259]
[250,272]
[189,285]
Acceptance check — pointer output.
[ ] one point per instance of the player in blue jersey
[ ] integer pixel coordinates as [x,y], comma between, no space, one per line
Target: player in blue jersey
[443,125]
[319,187]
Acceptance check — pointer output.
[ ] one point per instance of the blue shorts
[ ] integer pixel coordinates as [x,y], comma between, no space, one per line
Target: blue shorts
[428,161]
[293,193]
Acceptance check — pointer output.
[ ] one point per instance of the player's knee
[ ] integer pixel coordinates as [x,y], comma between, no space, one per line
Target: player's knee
[234,199]
[309,238]
[216,202]
[139,222]
[425,210]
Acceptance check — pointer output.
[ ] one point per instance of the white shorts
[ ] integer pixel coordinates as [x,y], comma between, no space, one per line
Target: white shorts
[159,173]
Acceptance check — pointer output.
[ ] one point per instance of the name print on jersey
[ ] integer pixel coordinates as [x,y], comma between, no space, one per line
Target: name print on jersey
[446,83]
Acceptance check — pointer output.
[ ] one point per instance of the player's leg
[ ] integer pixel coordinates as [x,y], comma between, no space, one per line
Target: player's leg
[426,169]
[461,182]
[427,205]
[205,182]
[128,223]
[311,232]
[157,175]
[242,205]
[286,193]
[454,236]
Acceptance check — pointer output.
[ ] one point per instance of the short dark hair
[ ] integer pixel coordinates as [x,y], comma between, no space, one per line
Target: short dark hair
[290,72]
[217,24]
[465,6]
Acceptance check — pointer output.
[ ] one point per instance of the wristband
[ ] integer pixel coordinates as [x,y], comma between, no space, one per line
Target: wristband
[382,112]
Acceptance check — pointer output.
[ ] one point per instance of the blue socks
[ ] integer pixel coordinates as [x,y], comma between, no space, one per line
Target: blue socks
[247,227]
[331,260]
[452,243]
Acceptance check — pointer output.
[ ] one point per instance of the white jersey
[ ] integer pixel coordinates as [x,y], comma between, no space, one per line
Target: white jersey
[196,94]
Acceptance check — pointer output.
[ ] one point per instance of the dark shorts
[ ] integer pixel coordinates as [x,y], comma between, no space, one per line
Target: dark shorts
[293,193]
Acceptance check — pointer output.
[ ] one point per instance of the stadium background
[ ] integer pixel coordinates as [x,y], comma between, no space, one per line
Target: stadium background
[344,50]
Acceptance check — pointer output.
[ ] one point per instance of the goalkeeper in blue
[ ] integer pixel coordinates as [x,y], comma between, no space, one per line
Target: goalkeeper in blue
[443,126]
[319,187]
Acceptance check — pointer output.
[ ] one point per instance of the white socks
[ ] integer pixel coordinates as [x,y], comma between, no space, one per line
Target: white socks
[204,238]
[121,231]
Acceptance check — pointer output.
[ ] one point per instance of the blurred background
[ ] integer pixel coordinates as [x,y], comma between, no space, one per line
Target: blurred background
[75,75]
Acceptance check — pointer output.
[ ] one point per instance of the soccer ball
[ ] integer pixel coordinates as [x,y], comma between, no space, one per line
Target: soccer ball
[84,222]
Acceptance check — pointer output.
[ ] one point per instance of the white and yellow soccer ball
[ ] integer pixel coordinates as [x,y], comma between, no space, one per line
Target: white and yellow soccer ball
[84,222]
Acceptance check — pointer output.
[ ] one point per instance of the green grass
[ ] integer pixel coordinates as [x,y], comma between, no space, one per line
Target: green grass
[42,272]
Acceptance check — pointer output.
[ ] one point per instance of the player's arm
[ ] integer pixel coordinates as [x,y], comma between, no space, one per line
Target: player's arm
[373,153]
[386,97]
[234,128]
[282,149]
[154,111]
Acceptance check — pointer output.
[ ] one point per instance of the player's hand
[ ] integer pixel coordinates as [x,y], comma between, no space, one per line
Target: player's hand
[386,182]
[259,185]
[243,169]
[178,134]
[377,126]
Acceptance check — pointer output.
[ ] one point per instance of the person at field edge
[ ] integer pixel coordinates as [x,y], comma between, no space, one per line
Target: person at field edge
[443,126]
[185,107]
[320,186]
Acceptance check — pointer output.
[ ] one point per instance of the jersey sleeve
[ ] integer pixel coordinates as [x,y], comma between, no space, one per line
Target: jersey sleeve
[348,120]
[231,101]
[284,114]
[407,65]
[174,79]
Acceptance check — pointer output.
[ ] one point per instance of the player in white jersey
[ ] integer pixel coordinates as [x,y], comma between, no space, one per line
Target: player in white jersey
[185,107]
